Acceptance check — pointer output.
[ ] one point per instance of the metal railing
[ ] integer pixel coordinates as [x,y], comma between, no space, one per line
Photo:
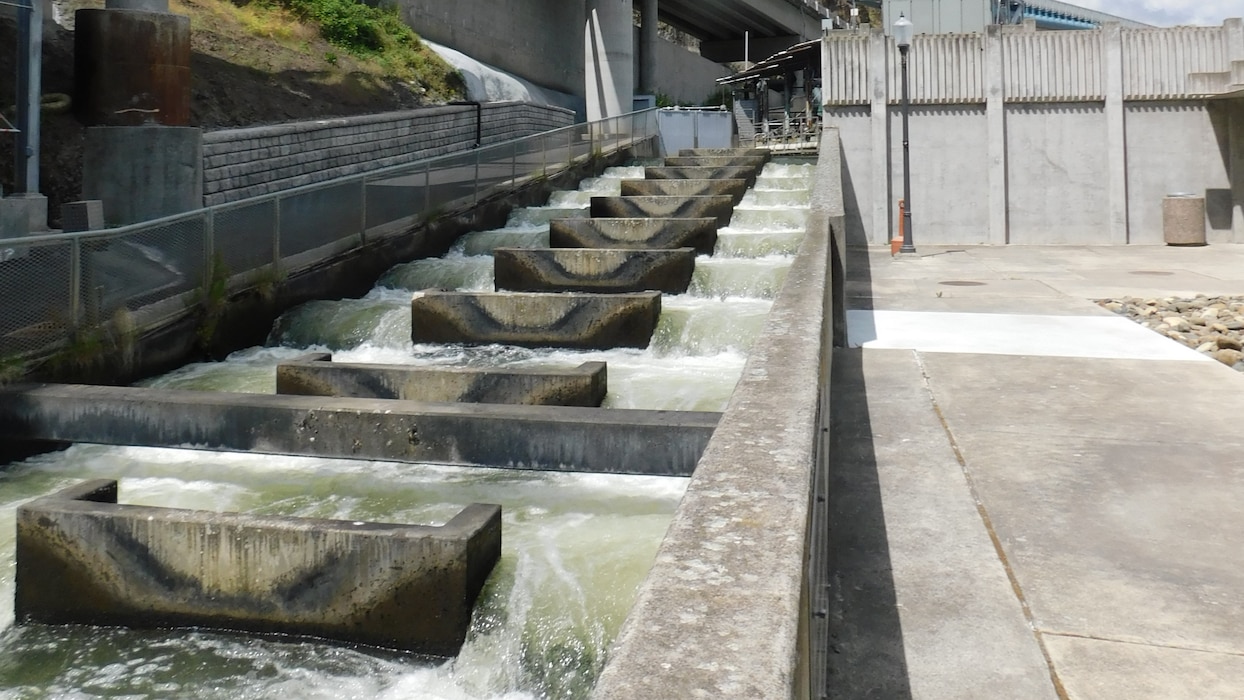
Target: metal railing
[65,286]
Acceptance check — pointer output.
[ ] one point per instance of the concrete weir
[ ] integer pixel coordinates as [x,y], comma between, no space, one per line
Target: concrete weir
[598,270]
[580,321]
[718,207]
[84,559]
[551,438]
[729,172]
[756,162]
[585,385]
[644,233]
[736,188]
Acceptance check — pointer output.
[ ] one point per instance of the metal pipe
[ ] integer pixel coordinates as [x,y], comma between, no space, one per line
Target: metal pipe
[29,88]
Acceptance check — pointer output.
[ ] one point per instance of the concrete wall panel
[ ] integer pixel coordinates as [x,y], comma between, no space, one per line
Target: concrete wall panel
[1171,147]
[855,125]
[949,189]
[1056,174]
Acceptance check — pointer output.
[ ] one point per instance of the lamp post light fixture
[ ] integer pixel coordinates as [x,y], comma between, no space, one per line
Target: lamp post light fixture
[902,36]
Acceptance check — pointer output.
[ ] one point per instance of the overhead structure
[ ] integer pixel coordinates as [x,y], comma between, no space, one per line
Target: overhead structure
[968,16]
[727,28]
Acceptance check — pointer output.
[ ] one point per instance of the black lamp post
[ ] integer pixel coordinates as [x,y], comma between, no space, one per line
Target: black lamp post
[902,36]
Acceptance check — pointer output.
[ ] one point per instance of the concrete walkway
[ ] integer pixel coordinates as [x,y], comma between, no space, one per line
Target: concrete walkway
[1033,497]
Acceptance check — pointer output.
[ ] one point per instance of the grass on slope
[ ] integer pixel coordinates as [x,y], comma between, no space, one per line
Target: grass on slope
[331,37]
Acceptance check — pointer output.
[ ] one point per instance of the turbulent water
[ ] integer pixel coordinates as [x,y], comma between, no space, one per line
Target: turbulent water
[576,546]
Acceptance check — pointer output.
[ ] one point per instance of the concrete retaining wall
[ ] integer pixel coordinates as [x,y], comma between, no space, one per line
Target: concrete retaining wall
[743,559]
[83,559]
[241,163]
[551,438]
[1038,138]
[585,385]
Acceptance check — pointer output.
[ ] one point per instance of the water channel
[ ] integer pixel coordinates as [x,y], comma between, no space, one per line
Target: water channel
[576,546]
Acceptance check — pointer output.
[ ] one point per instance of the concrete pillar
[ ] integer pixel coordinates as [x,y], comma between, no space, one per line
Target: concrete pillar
[29,86]
[143,172]
[1234,29]
[878,90]
[609,58]
[1116,134]
[648,49]
[995,128]
[1235,141]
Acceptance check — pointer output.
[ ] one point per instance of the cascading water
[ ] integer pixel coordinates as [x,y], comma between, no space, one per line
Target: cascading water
[576,546]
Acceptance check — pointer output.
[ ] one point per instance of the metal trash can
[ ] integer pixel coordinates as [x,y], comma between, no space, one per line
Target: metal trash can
[1183,219]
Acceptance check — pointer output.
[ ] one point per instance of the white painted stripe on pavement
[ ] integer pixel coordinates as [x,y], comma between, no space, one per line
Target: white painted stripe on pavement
[1111,337]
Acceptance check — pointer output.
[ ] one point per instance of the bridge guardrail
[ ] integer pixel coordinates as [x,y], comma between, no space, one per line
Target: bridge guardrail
[68,287]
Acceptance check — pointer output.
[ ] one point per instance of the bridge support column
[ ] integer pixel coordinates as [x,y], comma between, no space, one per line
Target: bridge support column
[648,39]
[609,58]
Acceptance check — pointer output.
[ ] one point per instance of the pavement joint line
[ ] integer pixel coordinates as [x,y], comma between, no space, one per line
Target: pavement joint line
[1133,642]
[993,535]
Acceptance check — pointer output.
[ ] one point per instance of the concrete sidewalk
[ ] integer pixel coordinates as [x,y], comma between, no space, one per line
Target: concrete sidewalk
[1031,496]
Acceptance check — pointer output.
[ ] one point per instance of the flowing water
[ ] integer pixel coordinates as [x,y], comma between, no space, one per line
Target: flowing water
[576,546]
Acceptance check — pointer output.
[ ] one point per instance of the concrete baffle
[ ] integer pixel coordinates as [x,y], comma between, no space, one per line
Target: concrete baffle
[585,385]
[719,207]
[581,321]
[706,172]
[593,270]
[550,438]
[749,161]
[1183,219]
[645,233]
[84,559]
[685,188]
[724,152]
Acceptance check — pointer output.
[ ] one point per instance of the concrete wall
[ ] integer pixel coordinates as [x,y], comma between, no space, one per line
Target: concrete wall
[241,163]
[743,559]
[1056,174]
[1035,137]
[686,77]
[551,438]
[143,172]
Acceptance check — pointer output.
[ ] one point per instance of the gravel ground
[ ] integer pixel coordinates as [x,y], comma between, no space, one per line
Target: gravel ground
[1209,325]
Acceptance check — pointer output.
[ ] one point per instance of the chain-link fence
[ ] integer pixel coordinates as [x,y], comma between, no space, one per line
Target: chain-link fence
[62,287]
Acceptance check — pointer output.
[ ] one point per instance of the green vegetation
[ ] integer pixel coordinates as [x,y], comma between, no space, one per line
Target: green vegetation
[379,34]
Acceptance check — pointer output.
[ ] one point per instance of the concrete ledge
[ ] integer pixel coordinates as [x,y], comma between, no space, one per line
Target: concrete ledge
[581,321]
[550,438]
[593,270]
[727,152]
[585,385]
[685,188]
[718,207]
[635,233]
[83,559]
[756,162]
[732,172]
